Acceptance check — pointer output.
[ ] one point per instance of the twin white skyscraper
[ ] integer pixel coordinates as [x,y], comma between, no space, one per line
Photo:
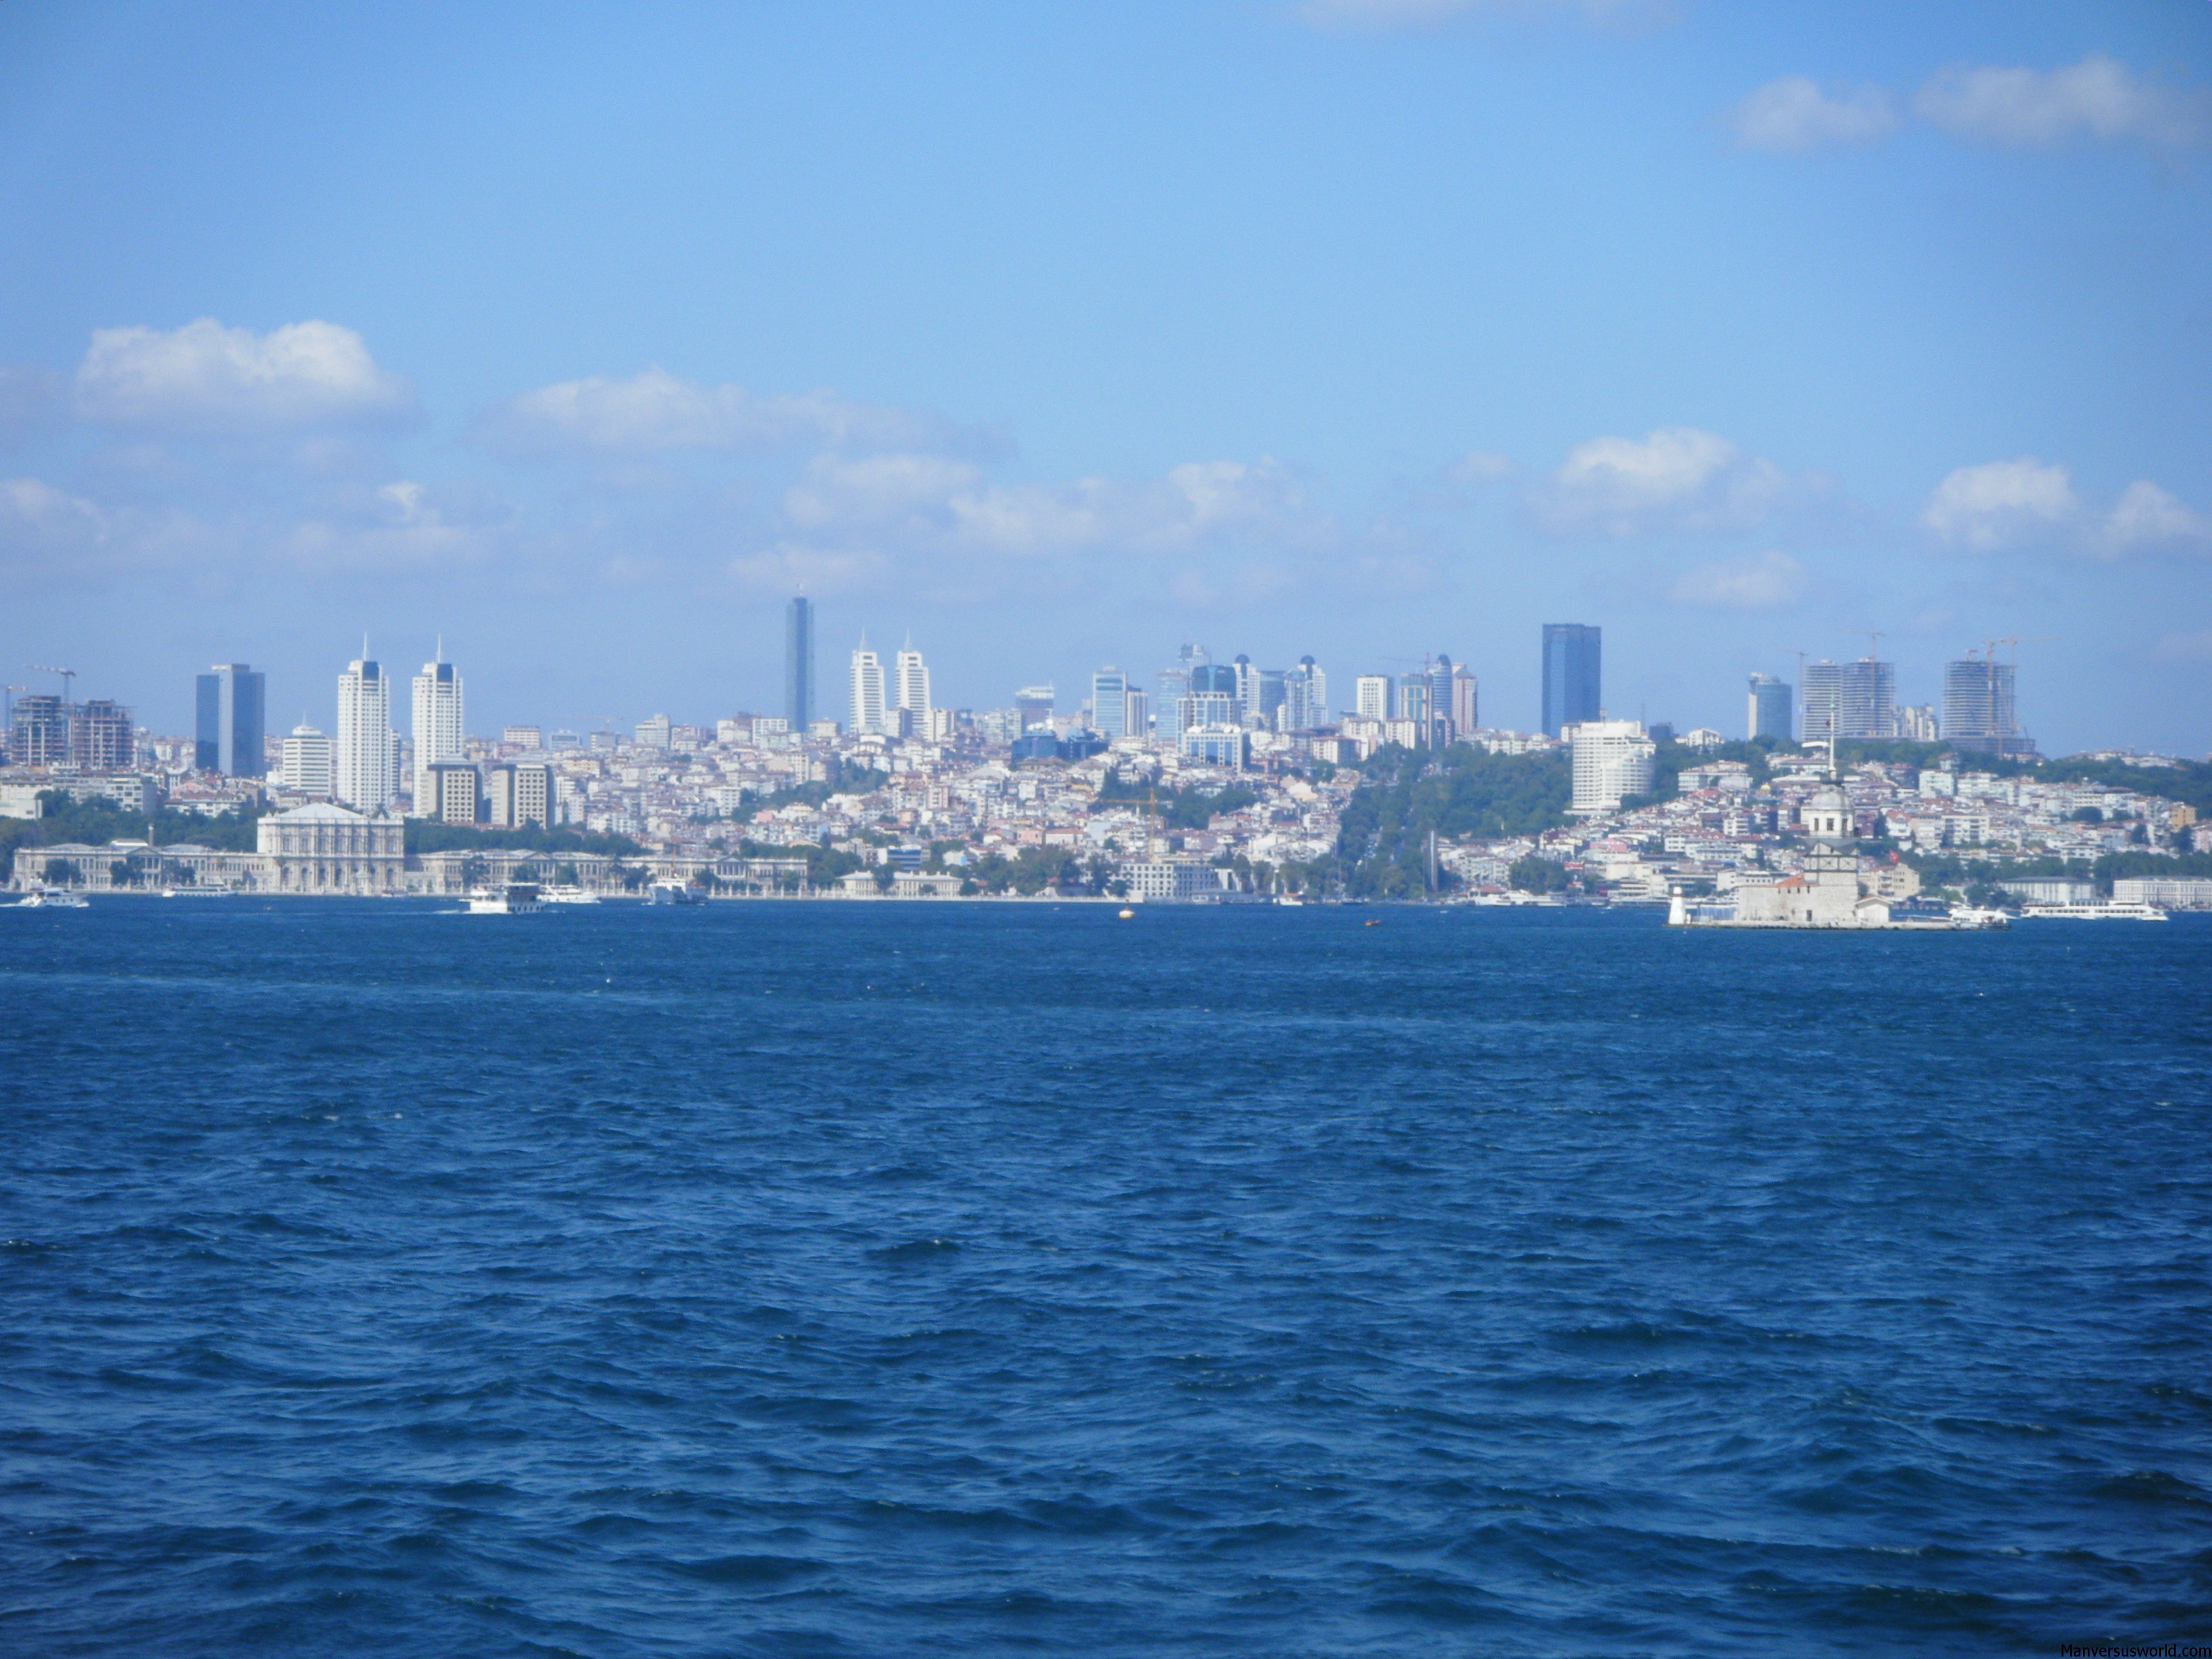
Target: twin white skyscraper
[365,755]
[908,712]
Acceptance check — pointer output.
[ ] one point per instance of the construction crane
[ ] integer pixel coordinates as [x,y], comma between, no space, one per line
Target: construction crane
[68,677]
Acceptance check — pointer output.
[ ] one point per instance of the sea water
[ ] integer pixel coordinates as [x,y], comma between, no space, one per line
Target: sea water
[783,1278]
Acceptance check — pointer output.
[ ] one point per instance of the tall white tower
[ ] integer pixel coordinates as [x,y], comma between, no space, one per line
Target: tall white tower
[364,758]
[911,685]
[437,723]
[867,692]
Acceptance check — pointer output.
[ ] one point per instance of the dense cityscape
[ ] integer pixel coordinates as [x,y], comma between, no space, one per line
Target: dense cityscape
[1209,780]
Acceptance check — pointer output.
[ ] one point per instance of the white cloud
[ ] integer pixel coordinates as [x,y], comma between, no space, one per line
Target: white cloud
[1761,583]
[927,501]
[37,520]
[1677,477]
[1793,114]
[655,412]
[2000,503]
[1380,14]
[205,378]
[2146,516]
[2096,97]
[788,567]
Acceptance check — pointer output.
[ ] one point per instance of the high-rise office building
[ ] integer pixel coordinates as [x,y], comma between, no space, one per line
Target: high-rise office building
[1848,700]
[307,764]
[866,693]
[910,686]
[1136,713]
[1033,707]
[438,729]
[1414,698]
[798,663]
[1981,708]
[1612,760]
[1573,676]
[365,755]
[229,701]
[1247,683]
[1269,688]
[1110,702]
[1466,702]
[1767,711]
[1371,696]
[1305,697]
[1171,686]
[1440,672]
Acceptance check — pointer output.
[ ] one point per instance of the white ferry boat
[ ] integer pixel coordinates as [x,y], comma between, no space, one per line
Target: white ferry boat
[566,895]
[53,898]
[199,892]
[2109,910]
[673,892]
[517,898]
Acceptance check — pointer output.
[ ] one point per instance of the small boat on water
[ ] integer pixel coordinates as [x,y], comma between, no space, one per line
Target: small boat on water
[516,898]
[53,898]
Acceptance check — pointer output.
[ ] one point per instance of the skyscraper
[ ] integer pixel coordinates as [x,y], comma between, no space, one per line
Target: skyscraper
[1173,686]
[798,663]
[910,686]
[1767,714]
[1848,699]
[364,757]
[1414,698]
[1033,707]
[1572,675]
[1110,702]
[867,692]
[1466,702]
[438,726]
[1305,697]
[1981,710]
[1247,680]
[227,738]
[1440,672]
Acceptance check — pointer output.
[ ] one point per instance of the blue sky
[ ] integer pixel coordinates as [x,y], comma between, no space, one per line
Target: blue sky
[1059,335]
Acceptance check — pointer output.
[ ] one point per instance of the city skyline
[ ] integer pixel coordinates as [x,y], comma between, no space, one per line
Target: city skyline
[1829,400]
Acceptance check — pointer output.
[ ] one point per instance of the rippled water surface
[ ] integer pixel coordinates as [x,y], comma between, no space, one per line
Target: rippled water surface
[848,1279]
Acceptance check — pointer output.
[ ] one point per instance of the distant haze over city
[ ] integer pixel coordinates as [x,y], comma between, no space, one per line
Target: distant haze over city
[1353,328]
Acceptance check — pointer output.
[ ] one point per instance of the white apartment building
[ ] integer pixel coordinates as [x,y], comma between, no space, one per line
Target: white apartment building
[1371,697]
[365,755]
[438,725]
[1611,759]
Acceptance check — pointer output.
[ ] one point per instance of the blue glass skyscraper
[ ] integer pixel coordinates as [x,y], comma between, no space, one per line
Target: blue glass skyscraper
[798,663]
[1570,676]
[228,730]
